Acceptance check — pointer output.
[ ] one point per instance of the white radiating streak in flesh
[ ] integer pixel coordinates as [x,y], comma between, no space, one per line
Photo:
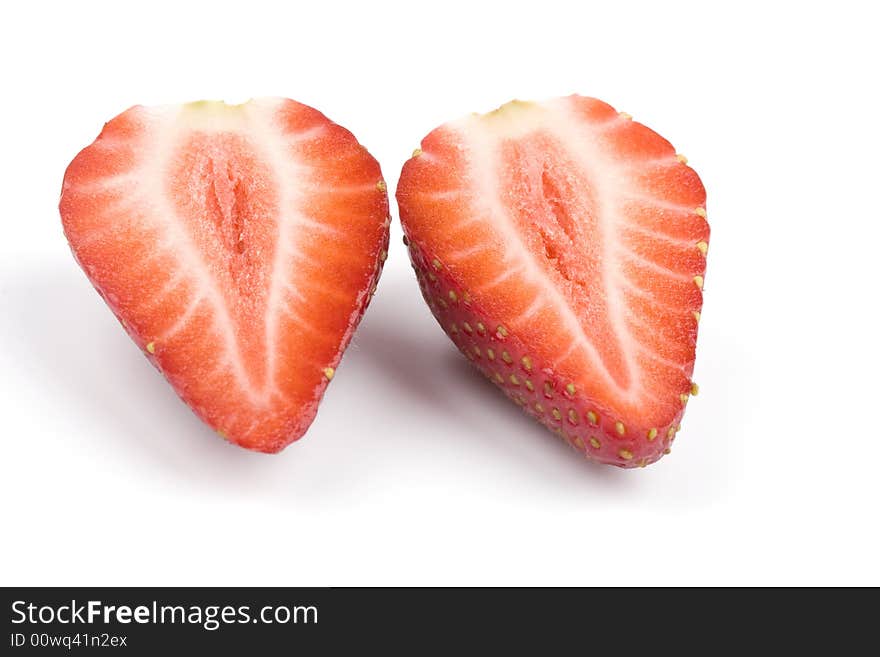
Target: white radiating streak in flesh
[671,364]
[639,196]
[277,145]
[294,292]
[657,235]
[467,252]
[307,222]
[287,311]
[293,138]
[535,306]
[634,289]
[446,194]
[184,319]
[179,278]
[624,254]
[568,352]
[107,183]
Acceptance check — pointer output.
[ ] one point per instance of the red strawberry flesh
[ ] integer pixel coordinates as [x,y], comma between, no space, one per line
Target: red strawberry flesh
[562,245]
[239,246]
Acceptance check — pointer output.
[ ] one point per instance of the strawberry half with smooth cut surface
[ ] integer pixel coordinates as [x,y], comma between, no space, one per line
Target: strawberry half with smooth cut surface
[239,245]
[562,247]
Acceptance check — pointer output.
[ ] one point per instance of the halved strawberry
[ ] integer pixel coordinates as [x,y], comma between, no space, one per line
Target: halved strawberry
[562,248]
[239,246]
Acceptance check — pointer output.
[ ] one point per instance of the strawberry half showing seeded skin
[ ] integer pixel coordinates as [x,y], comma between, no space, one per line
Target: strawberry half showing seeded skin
[562,247]
[239,246]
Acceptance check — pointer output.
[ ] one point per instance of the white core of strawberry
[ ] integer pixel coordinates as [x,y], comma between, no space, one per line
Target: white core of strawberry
[167,127]
[482,137]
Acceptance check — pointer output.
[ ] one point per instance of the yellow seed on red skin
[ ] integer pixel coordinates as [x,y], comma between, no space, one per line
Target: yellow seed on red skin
[697,316]
[481,328]
[151,347]
[381,186]
[681,158]
[490,353]
[499,378]
[501,332]
[573,416]
[701,212]
[442,302]
[556,414]
[453,296]
[431,277]
[695,389]
[570,389]
[595,443]
[477,352]
[530,386]
[467,328]
[643,463]
[625,116]
[506,357]
[671,432]
[453,328]
[548,390]
[619,428]
[667,451]
[329,372]
[383,255]
[683,397]
[652,434]
[436,264]
[527,363]
[593,418]
[539,407]
[703,247]
[625,454]
[579,442]
[698,281]
[417,152]
[514,379]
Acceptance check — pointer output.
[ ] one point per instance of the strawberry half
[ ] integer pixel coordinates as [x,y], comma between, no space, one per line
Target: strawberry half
[239,245]
[562,248]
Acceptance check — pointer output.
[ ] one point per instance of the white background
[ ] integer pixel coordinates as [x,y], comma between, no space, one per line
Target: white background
[416,471]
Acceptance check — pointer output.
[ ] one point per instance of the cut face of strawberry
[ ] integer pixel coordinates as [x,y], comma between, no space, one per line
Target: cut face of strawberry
[562,247]
[239,245]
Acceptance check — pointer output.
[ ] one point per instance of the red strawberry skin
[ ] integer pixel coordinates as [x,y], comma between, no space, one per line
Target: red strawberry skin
[239,246]
[561,246]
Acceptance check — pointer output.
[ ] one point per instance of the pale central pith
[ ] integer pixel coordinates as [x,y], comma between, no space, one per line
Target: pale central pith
[559,231]
[229,192]
[226,198]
